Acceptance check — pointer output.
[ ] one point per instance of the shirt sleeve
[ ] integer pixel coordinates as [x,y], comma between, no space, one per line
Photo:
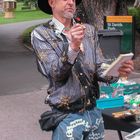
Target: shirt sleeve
[49,61]
[72,55]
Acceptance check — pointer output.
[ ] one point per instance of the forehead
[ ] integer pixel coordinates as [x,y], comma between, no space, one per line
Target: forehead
[63,0]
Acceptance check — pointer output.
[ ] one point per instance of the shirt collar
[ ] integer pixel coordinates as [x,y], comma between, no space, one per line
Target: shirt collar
[58,24]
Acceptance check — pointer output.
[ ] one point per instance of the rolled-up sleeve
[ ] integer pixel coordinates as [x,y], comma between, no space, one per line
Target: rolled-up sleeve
[72,55]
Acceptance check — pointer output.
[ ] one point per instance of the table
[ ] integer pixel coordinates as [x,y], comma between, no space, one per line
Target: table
[117,124]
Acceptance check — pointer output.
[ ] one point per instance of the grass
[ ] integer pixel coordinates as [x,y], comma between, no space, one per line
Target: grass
[26,36]
[136,13]
[33,14]
[23,15]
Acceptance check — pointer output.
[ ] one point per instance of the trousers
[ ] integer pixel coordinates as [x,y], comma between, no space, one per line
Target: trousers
[87,125]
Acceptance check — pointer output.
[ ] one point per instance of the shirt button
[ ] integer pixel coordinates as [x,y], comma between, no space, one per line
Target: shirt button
[86,86]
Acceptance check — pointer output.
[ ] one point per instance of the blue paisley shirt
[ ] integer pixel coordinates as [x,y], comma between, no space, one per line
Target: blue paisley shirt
[63,81]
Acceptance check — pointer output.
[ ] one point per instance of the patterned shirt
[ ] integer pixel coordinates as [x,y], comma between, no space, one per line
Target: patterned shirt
[63,81]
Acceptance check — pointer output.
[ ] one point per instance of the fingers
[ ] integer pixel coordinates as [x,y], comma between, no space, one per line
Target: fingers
[77,31]
[126,68]
[78,28]
[128,64]
[77,35]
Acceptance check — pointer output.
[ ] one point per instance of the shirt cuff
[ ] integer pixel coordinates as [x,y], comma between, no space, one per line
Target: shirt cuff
[72,55]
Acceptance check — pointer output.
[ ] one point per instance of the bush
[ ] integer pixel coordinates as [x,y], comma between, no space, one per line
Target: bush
[25,7]
[26,36]
[136,13]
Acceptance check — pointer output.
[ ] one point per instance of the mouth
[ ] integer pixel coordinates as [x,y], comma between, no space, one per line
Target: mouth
[70,10]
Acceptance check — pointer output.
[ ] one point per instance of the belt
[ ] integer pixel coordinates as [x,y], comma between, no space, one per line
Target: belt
[78,106]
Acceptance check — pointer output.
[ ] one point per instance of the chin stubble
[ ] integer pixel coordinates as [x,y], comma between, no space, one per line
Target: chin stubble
[68,15]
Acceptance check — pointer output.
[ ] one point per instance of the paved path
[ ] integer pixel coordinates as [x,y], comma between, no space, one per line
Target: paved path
[19,113]
[23,89]
[19,116]
[18,71]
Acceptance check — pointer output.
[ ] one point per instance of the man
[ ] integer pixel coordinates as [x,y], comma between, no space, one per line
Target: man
[69,56]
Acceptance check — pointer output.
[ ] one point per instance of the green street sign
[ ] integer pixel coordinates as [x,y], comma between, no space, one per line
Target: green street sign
[126,25]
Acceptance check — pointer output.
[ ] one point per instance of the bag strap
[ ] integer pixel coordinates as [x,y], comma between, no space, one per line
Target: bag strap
[84,80]
[81,75]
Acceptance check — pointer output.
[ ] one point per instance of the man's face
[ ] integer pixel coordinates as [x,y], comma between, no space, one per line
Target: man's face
[63,8]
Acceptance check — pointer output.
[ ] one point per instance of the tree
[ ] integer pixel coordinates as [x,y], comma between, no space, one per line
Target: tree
[30,3]
[93,11]
[137,3]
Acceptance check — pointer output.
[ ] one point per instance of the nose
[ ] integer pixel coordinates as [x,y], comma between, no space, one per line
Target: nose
[71,1]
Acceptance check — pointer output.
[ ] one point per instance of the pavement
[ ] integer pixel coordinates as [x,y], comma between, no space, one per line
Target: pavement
[18,68]
[19,116]
[19,113]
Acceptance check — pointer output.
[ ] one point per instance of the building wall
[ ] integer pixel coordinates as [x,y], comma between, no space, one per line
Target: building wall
[1,6]
[1,3]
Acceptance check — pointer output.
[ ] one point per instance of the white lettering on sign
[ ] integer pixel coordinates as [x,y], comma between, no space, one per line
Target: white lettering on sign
[115,24]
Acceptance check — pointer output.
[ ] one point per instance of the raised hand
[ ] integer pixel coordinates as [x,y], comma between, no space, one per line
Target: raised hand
[76,35]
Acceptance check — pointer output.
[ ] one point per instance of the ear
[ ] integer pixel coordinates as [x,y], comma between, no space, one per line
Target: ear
[51,3]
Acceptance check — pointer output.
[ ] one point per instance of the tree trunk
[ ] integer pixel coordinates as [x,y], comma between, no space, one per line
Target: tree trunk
[93,11]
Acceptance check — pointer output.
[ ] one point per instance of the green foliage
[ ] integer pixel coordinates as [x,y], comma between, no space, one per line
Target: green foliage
[19,0]
[30,3]
[26,15]
[19,5]
[26,35]
[136,13]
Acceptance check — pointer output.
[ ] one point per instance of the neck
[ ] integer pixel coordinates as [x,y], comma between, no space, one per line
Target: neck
[65,21]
